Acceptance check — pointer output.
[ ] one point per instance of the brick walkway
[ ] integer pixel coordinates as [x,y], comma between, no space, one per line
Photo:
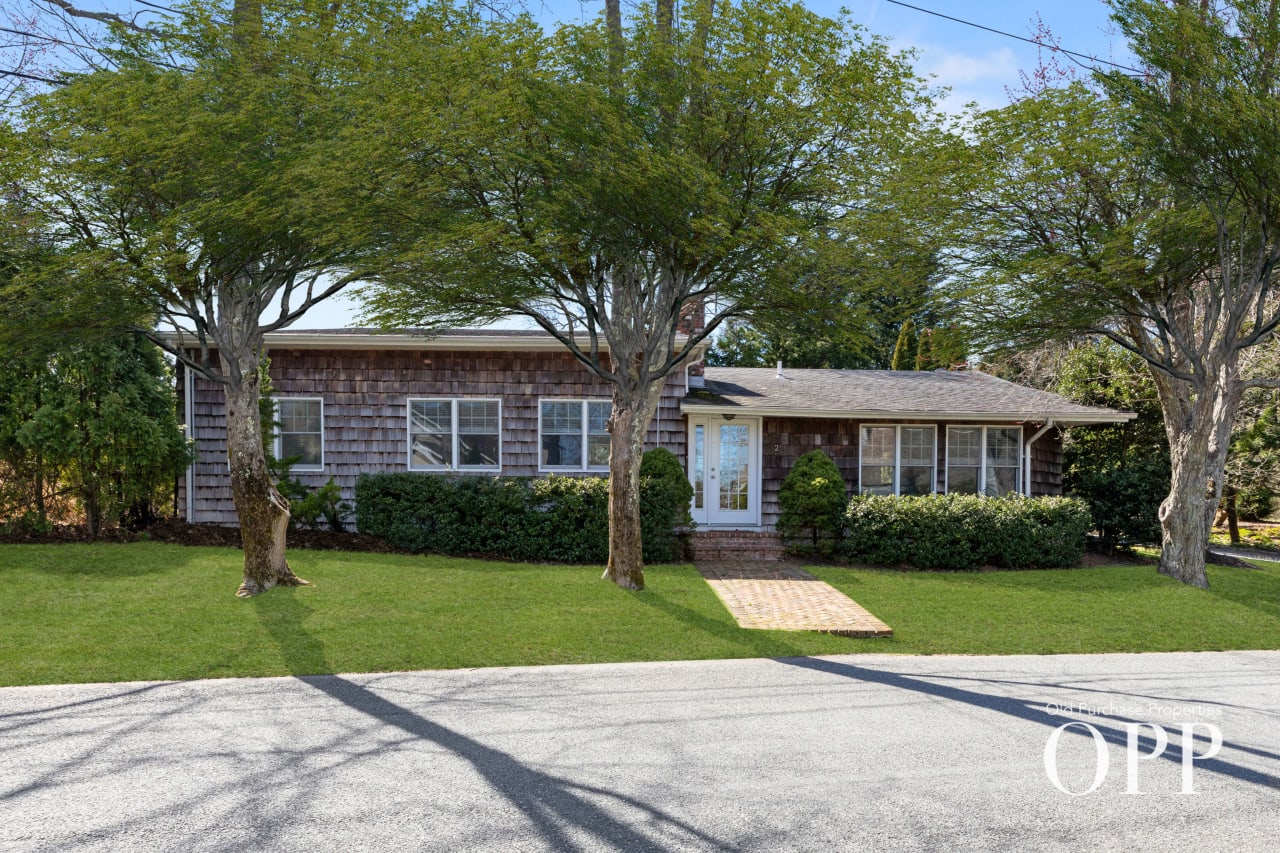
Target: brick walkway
[778,597]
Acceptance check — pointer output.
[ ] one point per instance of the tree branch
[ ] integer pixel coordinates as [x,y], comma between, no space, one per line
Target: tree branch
[101,17]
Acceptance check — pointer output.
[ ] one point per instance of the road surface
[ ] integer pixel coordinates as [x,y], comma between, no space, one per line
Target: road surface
[844,753]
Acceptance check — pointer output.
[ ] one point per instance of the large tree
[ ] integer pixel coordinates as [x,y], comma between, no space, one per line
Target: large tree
[1147,214]
[201,194]
[611,179]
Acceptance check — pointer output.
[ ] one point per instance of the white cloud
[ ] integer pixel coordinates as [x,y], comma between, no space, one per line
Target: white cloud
[959,69]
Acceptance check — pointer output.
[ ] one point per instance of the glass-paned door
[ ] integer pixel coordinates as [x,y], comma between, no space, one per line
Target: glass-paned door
[722,469]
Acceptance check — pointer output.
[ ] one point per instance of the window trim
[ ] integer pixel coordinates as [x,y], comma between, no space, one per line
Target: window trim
[455,465]
[586,426]
[278,431]
[897,454]
[982,464]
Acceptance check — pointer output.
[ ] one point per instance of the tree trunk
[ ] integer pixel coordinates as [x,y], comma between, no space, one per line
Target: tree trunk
[262,511]
[92,510]
[628,425]
[1233,518]
[41,510]
[1185,519]
[1198,425]
[626,553]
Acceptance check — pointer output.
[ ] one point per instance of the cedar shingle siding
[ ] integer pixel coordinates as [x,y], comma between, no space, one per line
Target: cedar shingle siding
[784,440]
[366,392]
[366,395]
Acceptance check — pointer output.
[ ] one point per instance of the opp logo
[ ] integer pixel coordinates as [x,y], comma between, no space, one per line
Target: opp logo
[1133,753]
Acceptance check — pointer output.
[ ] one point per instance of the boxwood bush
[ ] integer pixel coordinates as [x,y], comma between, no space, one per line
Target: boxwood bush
[965,531]
[812,500]
[553,519]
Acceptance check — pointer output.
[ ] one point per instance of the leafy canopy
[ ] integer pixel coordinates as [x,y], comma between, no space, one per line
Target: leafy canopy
[719,161]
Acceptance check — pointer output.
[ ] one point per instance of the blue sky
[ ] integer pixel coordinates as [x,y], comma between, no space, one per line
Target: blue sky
[975,65]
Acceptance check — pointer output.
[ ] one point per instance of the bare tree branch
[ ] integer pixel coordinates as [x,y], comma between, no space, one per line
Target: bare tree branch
[102,17]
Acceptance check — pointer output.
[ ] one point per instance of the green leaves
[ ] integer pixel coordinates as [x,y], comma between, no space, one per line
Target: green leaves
[717,164]
[562,519]
[811,499]
[201,186]
[99,420]
[965,532]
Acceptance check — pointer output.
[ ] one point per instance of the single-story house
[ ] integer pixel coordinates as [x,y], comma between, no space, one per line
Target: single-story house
[352,401]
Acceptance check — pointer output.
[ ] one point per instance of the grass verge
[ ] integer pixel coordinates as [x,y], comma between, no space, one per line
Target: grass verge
[79,613]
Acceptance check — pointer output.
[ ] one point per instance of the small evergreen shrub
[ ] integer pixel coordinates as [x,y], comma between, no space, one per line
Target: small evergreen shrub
[551,519]
[812,500]
[965,532]
[309,507]
[1253,503]
[665,497]
[1124,499]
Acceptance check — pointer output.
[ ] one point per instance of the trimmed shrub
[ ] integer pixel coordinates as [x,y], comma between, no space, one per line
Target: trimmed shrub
[965,532]
[665,497]
[812,500]
[548,519]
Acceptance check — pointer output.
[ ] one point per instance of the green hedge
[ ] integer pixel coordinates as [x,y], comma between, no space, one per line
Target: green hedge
[553,519]
[965,531]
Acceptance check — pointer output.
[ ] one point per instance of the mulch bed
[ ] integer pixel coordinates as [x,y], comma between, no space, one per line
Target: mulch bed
[181,533]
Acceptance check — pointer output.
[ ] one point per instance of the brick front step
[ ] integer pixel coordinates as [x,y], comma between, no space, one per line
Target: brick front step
[735,545]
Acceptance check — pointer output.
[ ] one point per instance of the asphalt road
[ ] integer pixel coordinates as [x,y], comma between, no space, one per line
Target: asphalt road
[848,753]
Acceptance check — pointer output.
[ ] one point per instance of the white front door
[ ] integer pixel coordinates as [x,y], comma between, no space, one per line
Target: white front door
[724,468]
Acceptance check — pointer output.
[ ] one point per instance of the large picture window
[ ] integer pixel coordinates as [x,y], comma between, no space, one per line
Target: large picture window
[300,432]
[897,460]
[984,460]
[572,435]
[455,435]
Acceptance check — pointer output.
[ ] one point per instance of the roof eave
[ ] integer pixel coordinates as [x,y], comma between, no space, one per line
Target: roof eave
[392,341]
[1059,418]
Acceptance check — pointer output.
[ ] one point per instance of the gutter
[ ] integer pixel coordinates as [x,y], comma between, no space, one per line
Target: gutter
[189,414]
[1026,461]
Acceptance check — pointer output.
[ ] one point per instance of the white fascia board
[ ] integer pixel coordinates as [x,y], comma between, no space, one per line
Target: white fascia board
[504,343]
[967,417]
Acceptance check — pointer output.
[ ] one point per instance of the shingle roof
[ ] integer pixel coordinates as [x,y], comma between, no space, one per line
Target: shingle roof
[945,395]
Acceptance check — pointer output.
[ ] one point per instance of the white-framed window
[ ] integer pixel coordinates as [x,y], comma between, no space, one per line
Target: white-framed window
[455,435]
[300,431]
[572,435]
[984,460]
[897,459]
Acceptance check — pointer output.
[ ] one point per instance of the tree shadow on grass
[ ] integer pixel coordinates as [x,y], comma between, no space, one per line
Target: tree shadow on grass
[554,805]
[100,560]
[761,643]
[1257,589]
[1110,727]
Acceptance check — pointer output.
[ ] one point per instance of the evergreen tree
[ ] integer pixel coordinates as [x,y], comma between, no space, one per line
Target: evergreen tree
[99,418]
[904,352]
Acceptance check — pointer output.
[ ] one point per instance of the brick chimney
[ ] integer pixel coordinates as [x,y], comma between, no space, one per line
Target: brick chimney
[693,318]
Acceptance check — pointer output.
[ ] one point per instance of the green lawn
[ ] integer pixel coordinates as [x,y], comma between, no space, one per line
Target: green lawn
[75,613]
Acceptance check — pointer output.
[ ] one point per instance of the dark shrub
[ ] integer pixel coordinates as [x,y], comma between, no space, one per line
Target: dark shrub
[555,519]
[812,500]
[665,496]
[1253,503]
[965,531]
[1124,499]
